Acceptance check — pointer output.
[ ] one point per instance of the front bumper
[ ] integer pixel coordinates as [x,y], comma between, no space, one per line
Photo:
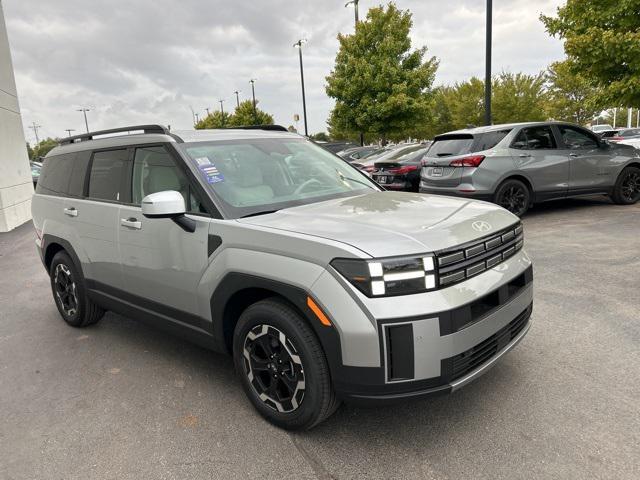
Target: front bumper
[430,343]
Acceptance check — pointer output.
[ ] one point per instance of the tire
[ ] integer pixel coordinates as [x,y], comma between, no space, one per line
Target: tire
[627,188]
[70,294]
[302,396]
[514,196]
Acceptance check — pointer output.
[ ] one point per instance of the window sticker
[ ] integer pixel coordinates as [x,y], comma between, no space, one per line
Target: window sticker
[203,161]
[211,173]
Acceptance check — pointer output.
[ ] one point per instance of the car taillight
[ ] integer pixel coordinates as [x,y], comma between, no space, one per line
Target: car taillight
[403,170]
[471,161]
[616,139]
[370,169]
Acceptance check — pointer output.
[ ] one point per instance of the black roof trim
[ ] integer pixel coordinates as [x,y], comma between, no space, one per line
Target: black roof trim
[134,128]
[274,128]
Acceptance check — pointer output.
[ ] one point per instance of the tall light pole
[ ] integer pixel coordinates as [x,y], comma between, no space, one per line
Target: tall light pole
[197,119]
[298,45]
[207,110]
[237,98]
[253,94]
[487,73]
[355,7]
[84,112]
[35,128]
[69,130]
[222,111]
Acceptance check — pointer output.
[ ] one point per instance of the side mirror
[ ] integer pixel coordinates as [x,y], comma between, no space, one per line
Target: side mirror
[168,204]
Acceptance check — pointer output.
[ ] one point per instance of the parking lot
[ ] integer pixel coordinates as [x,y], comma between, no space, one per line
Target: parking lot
[121,400]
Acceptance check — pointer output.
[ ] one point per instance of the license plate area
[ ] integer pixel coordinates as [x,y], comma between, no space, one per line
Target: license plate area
[436,171]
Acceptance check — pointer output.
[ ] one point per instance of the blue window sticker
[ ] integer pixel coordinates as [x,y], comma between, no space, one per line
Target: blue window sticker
[211,173]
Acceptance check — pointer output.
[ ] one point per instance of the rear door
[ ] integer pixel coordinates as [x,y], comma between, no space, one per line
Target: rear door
[589,164]
[95,217]
[536,153]
[162,264]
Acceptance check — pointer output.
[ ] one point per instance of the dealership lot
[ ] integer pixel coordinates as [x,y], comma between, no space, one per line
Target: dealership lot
[121,400]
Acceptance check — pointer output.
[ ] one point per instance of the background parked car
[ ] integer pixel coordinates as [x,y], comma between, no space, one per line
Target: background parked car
[516,165]
[388,154]
[601,128]
[403,173]
[356,153]
[35,171]
[625,134]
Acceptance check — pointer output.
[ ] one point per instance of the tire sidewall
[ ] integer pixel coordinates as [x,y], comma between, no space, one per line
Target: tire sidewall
[64,259]
[518,183]
[311,405]
[618,187]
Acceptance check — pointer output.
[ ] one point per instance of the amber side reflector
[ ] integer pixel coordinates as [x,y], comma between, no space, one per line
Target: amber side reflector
[319,313]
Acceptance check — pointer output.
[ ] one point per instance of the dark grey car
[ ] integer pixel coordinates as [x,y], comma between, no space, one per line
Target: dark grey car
[516,165]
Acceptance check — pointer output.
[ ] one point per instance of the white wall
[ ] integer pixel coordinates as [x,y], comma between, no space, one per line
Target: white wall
[15,173]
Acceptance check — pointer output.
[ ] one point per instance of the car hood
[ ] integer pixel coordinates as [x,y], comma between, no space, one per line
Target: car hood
[392,223]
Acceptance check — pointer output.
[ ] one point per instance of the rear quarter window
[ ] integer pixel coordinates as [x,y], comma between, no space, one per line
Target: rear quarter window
[55,175]
[489,140]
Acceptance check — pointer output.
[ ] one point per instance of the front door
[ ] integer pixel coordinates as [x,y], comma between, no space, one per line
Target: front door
[536,154]
[162,264]
[588,162]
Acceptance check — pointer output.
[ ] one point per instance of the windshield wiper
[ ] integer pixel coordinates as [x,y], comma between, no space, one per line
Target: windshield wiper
[261,212]
[342,177]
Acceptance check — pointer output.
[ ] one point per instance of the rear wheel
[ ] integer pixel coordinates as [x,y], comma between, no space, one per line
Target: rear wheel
[627,188]
[514,196]
[70,294]
[282,366]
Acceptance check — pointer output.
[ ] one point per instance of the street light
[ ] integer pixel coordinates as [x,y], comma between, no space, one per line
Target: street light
[237,98]
[487,74]
[221,111]
[298,45]
[253,93]
[355,7]
[69,130]
[84,112]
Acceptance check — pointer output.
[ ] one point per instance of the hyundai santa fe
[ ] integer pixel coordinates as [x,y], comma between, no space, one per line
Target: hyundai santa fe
[517,165]
[260,244]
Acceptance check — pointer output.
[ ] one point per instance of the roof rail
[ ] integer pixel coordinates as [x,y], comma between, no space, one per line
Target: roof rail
[135,128]
[274,128]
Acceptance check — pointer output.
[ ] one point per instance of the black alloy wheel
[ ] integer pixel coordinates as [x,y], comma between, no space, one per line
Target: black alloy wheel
[273,367]
[630,186]
[65,290]
[514,196]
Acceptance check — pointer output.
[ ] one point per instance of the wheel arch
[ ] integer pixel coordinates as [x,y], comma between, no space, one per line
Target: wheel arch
[237,291]
[52,245]
[521,177]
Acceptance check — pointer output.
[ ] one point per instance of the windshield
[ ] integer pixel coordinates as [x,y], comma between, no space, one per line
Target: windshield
[254,176]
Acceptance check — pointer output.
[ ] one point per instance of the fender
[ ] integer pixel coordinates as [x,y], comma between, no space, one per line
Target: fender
[48,240]
[224,315]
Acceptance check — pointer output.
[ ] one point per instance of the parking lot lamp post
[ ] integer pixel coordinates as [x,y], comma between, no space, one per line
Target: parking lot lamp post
[298,45]
[84,112]
[355,7]
[222,111]
[487,75]
[253,94]
[69,130]
[237,98]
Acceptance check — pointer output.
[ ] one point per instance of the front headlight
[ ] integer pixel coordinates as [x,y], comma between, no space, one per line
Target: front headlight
[389,276]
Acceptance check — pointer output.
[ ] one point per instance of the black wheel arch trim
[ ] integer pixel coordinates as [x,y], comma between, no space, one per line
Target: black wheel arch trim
[49,240]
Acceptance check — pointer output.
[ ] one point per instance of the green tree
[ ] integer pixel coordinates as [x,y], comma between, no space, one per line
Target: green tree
[518,97]
[214,120]
[321,136]
[602,41]
[43,147]
[571,97]
[243,115]
[29,151]
[380,86]
[465,103]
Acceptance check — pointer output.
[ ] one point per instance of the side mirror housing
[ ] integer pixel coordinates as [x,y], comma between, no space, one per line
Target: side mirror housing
[167,204]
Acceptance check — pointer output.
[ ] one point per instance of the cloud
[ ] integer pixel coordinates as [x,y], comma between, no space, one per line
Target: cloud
[149,61]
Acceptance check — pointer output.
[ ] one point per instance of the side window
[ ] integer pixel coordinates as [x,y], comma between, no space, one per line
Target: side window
[109,177]
[55,173]
[489,140]
[575,138]
[535,138]
[154,170]
[79,174]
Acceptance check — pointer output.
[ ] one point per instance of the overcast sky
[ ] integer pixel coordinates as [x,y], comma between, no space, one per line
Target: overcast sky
[148,61]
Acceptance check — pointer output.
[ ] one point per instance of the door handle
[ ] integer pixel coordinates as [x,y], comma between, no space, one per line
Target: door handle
[573,155]
[131,223]
[524,155]
[71,211]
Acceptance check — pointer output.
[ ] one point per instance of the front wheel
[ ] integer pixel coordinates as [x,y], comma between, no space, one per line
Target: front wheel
[514,196]
[282,366]
[627,188]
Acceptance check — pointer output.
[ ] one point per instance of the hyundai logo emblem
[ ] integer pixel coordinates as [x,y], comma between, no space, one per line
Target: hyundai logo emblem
[481,226]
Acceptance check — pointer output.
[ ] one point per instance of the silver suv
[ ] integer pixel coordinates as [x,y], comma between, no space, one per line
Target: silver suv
[260,244]
[517,165]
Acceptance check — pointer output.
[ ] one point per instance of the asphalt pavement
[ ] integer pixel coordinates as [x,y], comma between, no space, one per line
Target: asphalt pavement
[121,400]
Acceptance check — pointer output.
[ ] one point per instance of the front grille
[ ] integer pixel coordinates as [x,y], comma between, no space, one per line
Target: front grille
[464,363]
[465,261]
